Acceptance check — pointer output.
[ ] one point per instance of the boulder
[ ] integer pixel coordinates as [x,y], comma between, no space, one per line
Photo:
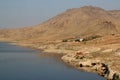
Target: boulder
[115,76]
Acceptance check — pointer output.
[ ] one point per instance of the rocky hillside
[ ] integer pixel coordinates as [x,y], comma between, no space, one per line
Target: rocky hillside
[99,29]
[77,22]
[115,13]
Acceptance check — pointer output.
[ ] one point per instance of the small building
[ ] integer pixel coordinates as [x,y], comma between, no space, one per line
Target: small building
[73,40]
[79,40]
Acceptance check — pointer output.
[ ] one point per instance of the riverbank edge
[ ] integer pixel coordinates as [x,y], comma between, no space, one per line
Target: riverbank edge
[54,52]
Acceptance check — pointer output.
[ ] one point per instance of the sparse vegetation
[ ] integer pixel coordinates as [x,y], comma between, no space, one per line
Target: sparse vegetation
[65,40]
[91,37]
[65,28]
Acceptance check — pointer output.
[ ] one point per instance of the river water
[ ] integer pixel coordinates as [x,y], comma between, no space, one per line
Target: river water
[20,63]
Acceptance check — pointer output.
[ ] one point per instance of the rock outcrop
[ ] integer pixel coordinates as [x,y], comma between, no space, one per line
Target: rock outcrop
[83,61]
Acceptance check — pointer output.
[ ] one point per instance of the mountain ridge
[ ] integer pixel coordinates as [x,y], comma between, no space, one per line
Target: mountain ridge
[76,22]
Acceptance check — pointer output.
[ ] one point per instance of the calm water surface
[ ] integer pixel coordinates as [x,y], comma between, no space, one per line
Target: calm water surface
[19,63]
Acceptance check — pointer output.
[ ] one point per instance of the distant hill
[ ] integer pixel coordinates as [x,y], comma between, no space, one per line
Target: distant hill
[115,13]
[76,22]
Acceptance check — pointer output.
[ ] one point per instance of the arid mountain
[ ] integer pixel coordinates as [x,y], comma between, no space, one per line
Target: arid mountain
[115,13]
[77,22]
[98,51]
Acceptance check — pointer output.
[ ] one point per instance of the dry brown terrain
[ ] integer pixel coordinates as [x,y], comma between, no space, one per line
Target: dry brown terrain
[77,22]
[92,31]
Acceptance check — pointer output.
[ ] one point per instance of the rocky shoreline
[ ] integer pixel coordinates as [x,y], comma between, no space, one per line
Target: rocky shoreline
[85,58]
[86,61]
[89,64]
[101,60]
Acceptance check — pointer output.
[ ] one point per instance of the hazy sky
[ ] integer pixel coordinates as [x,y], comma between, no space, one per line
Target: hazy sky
[20,13]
